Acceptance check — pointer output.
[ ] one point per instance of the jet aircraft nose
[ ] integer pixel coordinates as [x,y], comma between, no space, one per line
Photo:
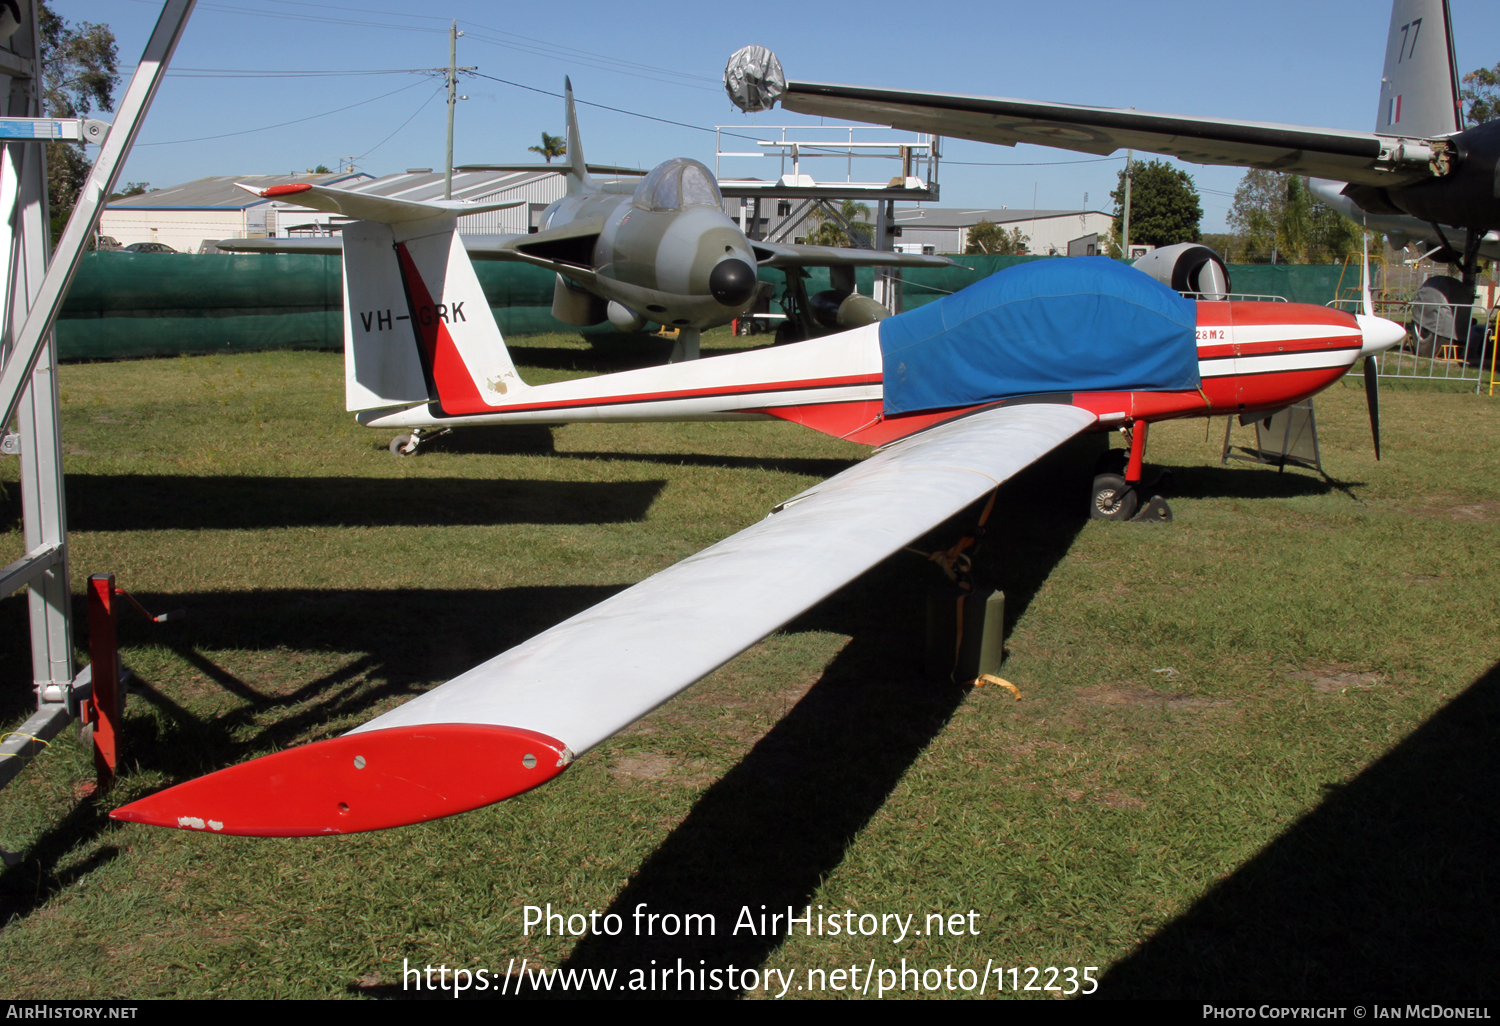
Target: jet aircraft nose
[732,282]
[1379,333]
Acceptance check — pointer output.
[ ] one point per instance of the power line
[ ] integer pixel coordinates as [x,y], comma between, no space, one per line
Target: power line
[586,103]
[267,128]
[272,73]
[403,124]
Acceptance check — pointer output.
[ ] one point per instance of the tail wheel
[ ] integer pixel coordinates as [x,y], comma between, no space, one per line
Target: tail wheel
[399,446]
[1114,499]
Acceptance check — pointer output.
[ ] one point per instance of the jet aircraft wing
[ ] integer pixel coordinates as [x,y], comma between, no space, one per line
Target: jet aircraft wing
[781,254]
[479,247]
[519,720]
[1360,157]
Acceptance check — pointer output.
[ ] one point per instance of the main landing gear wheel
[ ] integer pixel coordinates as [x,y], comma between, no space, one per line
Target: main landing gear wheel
[1113,499]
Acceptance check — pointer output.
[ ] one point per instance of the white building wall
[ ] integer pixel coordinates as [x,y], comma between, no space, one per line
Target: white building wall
[183,230]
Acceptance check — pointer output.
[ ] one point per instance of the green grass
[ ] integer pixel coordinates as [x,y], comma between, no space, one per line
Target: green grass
[1253,757]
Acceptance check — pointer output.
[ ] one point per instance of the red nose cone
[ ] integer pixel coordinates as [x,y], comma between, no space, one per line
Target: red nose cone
[366,781]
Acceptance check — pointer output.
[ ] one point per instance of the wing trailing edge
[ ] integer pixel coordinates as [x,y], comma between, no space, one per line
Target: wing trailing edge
[582,681]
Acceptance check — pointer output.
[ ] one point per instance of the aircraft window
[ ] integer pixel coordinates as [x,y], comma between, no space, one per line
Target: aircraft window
[698,188]
[644,191]
[667,195]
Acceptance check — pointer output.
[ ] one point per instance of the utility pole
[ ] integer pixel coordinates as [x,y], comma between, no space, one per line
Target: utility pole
[452,71]
[1125,228]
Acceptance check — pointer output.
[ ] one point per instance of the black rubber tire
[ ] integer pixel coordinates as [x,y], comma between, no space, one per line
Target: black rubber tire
[398,445]
[1113,499]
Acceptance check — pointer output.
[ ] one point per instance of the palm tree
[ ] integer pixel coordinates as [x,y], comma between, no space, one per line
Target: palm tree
[552,146]
[830,233]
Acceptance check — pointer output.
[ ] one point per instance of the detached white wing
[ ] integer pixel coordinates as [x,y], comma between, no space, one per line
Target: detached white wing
[1347,156]
[518,720]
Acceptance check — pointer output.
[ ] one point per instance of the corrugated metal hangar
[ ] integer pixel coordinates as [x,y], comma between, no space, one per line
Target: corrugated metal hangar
[946,229]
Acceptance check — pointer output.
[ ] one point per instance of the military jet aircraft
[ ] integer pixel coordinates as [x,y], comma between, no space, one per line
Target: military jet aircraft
[656,250]
[1419,162]
[960,395]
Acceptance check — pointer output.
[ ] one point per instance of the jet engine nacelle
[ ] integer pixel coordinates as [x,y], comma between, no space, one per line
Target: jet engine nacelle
[1188,267]
[574,305]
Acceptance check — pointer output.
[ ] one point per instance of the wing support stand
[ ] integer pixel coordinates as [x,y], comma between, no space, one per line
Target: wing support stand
[34,290]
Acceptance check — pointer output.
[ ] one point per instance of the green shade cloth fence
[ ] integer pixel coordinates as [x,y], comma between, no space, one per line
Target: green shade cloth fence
[131,305]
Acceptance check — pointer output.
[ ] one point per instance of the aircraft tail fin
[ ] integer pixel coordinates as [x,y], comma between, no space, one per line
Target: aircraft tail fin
[578,174]
[417,326]
[1419,95]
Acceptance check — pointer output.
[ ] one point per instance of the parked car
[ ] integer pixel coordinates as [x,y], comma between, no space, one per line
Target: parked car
[149,247]
[106,242]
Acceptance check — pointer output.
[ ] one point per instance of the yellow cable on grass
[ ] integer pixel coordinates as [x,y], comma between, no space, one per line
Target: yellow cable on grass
[999,682]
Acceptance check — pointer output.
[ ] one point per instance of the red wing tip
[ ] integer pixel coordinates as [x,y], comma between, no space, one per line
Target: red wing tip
[371,780]
[286,190]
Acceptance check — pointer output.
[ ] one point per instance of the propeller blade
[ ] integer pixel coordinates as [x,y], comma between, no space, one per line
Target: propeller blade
[1372,398]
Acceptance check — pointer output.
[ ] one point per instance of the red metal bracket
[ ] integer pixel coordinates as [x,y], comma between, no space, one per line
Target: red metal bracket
[103,707]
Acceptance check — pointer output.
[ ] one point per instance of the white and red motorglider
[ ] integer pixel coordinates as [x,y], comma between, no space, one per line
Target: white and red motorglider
[958,395]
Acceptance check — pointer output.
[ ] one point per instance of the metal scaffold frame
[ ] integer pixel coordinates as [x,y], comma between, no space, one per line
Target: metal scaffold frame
[34,290]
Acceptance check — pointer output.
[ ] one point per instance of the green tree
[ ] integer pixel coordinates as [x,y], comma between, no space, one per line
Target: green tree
[1276,215]
[830,233]
[80,69]
[1482,93]
[1164,207]
[321,169]
[988,237]
[131,189]
[552,146]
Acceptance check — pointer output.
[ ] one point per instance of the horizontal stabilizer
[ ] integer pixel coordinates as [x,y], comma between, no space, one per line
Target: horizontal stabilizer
[365,207]
[569,688]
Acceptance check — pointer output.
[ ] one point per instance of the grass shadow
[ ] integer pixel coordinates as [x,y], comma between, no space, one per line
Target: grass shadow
[156,502]
[1250,482]
[807,466]
[777,824]
[1388,891]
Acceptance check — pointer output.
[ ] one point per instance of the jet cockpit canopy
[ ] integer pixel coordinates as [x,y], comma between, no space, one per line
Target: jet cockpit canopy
[677,183]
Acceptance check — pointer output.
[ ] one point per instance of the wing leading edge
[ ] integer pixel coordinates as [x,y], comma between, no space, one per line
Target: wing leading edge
[518,720]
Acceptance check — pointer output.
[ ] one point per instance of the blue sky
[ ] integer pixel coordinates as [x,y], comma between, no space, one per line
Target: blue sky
[1303,63]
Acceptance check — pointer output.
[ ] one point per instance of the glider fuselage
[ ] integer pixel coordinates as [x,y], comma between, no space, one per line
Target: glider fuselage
[1252,356]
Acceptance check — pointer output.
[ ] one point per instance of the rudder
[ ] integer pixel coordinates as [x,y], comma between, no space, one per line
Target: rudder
[1419,95]
[417,326]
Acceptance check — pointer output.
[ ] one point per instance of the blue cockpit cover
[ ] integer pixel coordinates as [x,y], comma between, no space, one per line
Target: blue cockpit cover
[1084,324]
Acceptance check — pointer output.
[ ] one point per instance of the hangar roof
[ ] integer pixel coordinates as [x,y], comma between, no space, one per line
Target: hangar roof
[219,192]
[956,217]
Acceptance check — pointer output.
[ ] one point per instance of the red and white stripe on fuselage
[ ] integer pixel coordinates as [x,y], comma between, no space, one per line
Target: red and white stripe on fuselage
[1251,356]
